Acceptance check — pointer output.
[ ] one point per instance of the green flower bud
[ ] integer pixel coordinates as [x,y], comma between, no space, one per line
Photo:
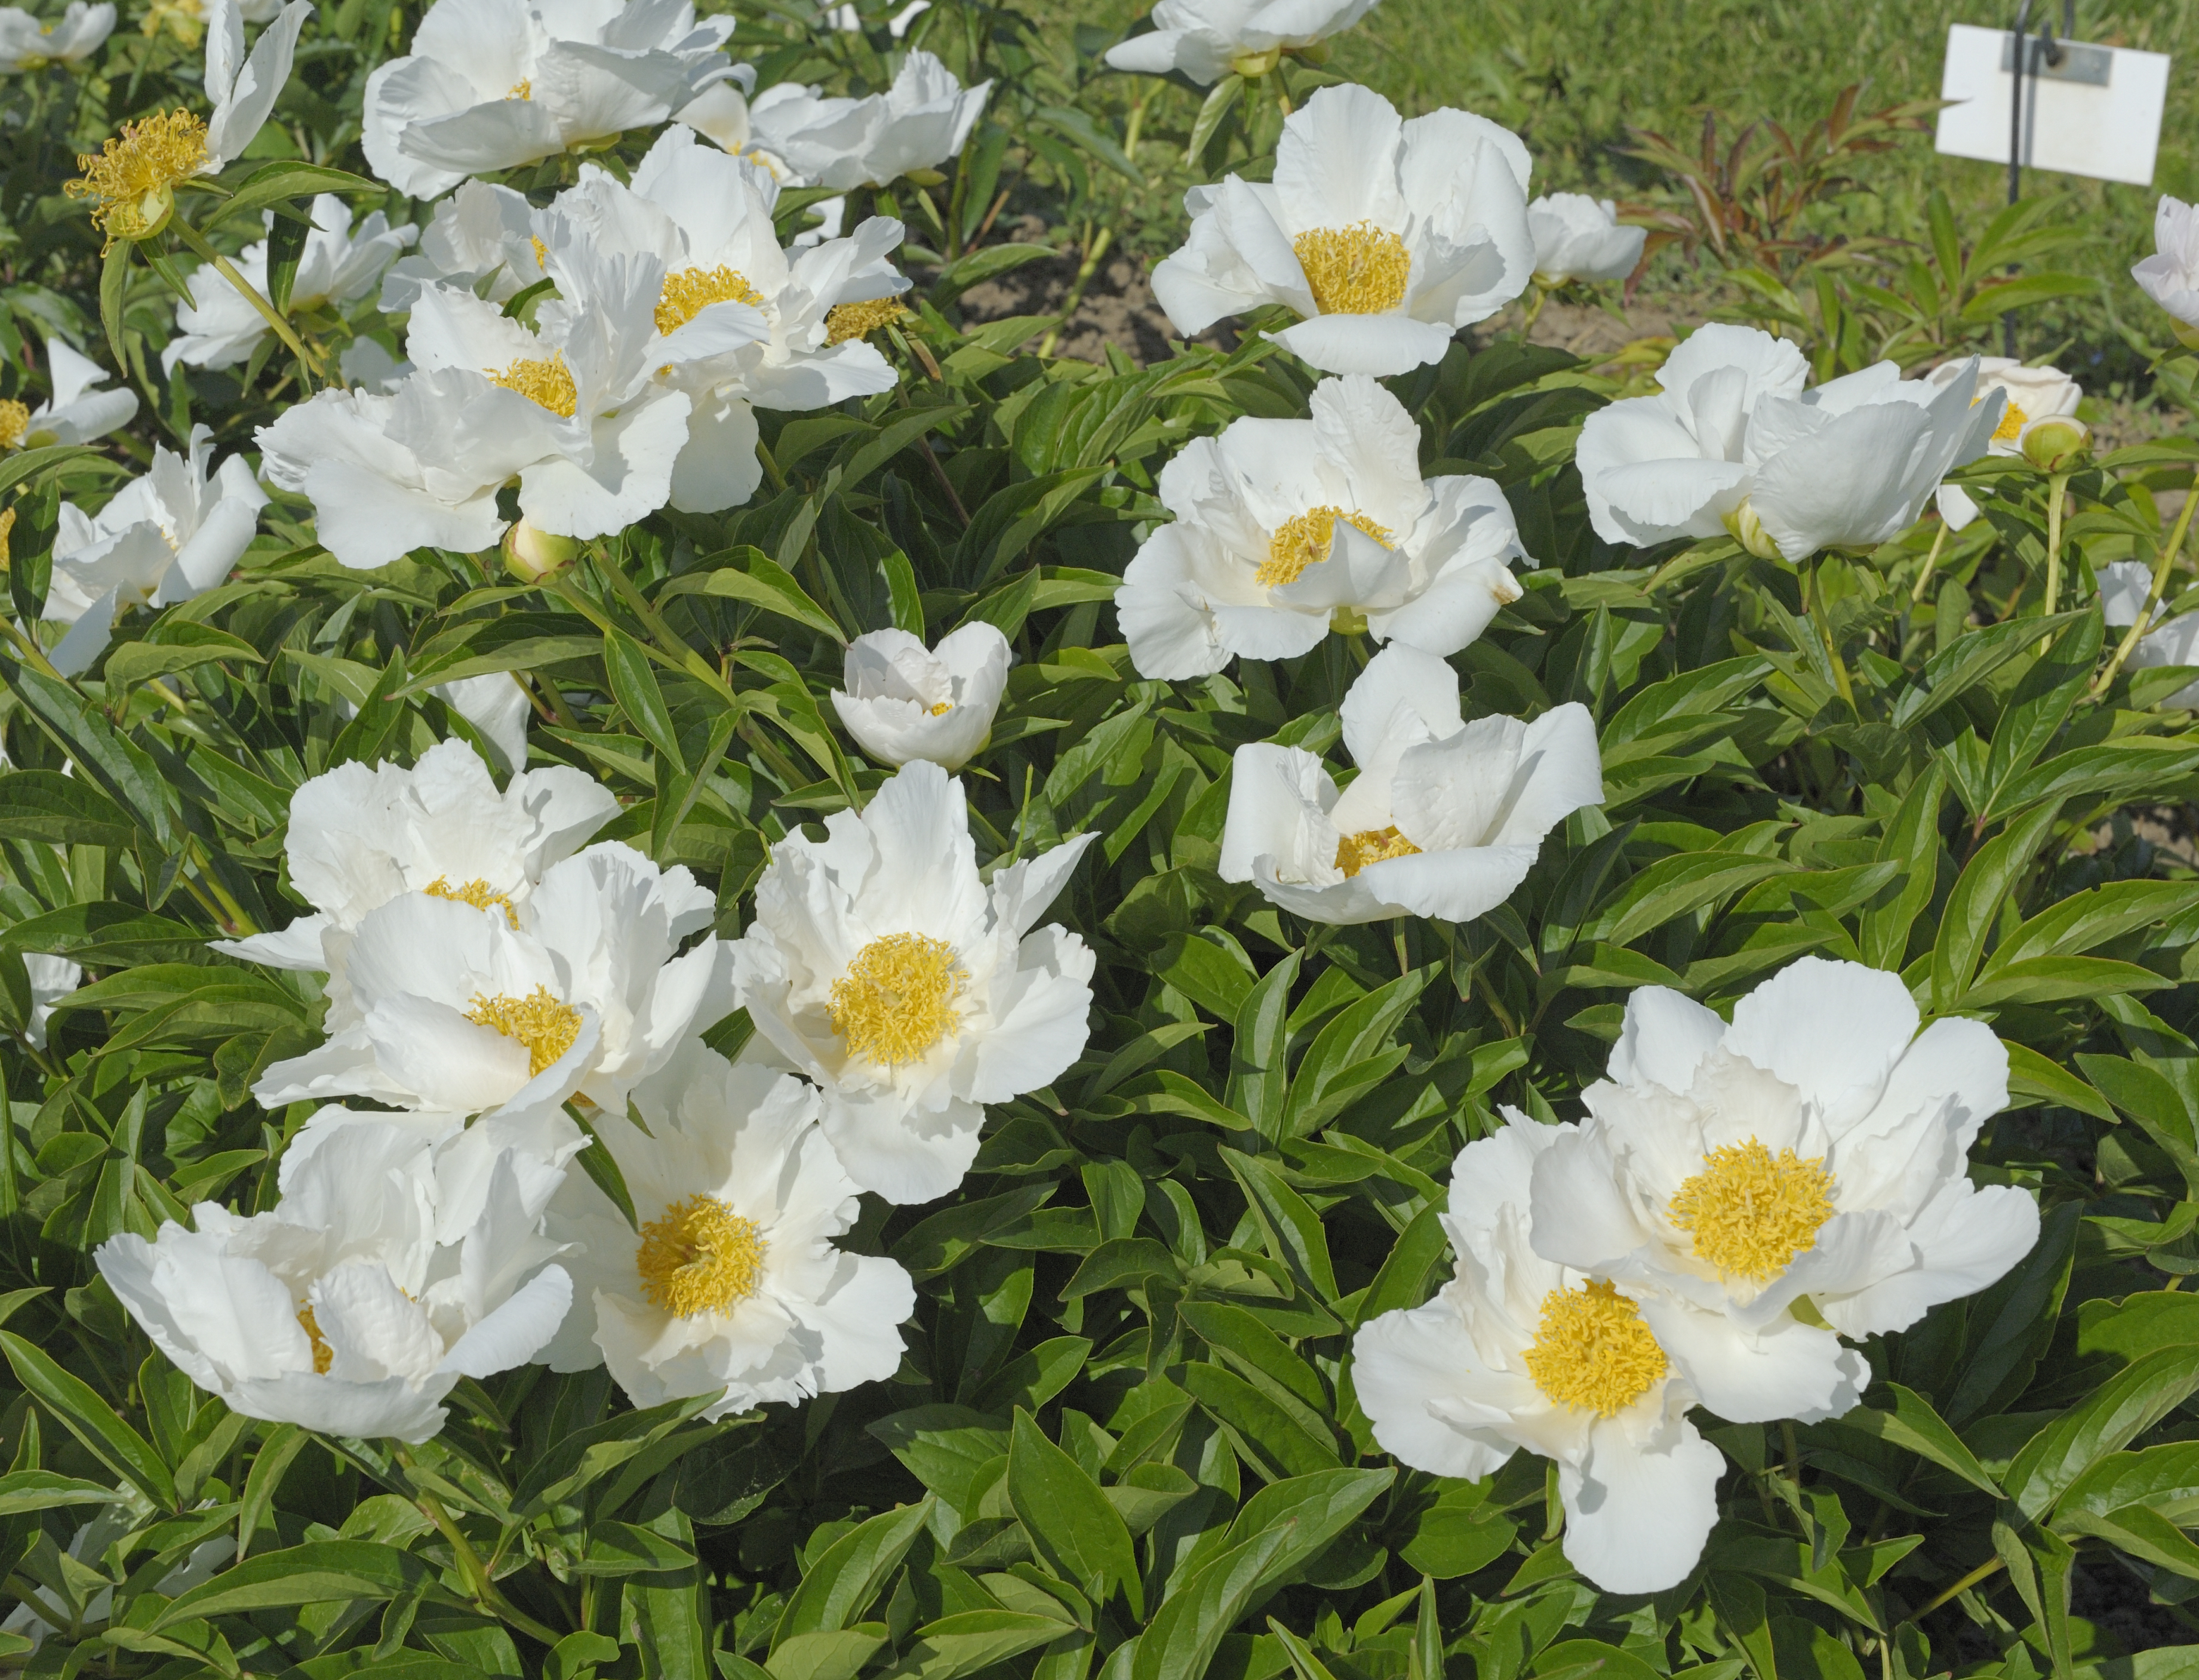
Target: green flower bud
[532,554]
[2056,442]
[1749,531]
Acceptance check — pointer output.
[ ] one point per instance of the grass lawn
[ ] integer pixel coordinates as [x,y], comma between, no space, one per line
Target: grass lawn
[1571,75]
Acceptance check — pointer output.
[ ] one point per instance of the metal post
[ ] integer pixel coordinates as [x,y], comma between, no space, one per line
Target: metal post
[2015,145]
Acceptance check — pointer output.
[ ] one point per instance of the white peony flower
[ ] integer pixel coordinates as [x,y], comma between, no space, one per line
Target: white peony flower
[883,968]
[359,837]
[733,1286]
[2124,586]
[1517,1351]
[1209,39]
[1578,237]
[2031,393]
[340,1310]
[2170,275]
[52,978]
[1772,1185]
[496,704]
[910,129]
[481,239]
[1444,819]
[494,83]
[171,534]
[846,19]
[1286,528]
[706,217]
[77,412]
[219,328]
[581,412]
[28,45]
[1387,236]
[448,1008]
[131,182]
[1733,444]
[243,89]
[902,702]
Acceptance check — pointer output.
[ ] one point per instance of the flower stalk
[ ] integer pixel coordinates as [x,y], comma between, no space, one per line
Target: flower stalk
[2136,633]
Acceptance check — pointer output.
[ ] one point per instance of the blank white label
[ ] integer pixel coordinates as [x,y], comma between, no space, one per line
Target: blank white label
[2110,133]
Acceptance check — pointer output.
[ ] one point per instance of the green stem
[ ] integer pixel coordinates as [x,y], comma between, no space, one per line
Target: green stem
[283,330]
[1989,1568]
[2054,493]
[2136,633]
[1824,620]
[1931,564]
[483,1591]
[32,650]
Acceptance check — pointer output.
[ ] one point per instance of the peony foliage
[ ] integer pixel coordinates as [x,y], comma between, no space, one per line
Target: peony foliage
[708,968]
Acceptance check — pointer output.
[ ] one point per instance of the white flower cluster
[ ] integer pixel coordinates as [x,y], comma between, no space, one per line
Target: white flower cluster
[1741,1201]
[490,976]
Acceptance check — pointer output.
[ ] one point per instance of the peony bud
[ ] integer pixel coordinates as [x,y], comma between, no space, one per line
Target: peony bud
[2054,442]
[1749,531]
[532,554]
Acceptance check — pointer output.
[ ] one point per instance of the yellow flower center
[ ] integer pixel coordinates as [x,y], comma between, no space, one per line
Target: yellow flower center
[1358,269]
[1750,1211]
[133,178]
[2011,424]
[523,89]
[942,708]
[699,1255]
[479,894]
[1354,852]
[844,321]
[323,1355]
[1305,538]
[1593,1351]
[689,291]
[542,253]
[15,422]
[897,998]
[544,380]
[546,1027]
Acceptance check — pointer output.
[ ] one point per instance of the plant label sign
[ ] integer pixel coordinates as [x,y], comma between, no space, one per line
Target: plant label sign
[2098,113]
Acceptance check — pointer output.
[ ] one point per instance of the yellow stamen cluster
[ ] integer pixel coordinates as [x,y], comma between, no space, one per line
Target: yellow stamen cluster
[1359,269]
[541,253]
[477,893]
[689,291]
[15,423]
[1305,538]
[897,998]
[699,1255]
[524,88]
[323,1355]
[1354,852]
[2012,423]
[1750,1211]
[844,321]
[545,380]
[942,708]
[133,178]
[1592,1351]
[546,1027]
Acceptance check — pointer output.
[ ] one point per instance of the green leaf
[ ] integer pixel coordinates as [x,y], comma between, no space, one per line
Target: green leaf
[1911,840]
[321,1571]
[90,1419]
[1974,904]
[44,1490]
[835,1655]
[284,179]
[748,575]
[1295,1236]
[633,684]
[1677,886]
[58,810]
[1076,1531]
[841,1584]
[971,1641]
[1913,1426]
[2107,1420]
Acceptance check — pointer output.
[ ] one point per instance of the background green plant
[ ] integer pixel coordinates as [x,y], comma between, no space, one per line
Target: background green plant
[1124,1441]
